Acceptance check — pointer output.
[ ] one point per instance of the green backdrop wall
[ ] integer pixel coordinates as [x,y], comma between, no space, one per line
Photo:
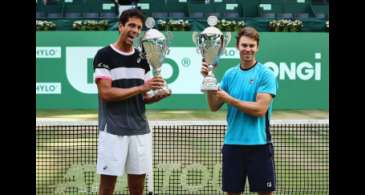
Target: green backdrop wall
[64,73]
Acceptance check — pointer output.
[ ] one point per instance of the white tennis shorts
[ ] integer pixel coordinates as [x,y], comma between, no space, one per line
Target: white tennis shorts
[124,154]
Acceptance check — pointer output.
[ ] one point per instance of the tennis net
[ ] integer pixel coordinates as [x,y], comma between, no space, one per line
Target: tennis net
[186,157]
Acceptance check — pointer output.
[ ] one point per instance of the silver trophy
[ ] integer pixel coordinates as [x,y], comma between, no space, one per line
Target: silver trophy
[154,49]
[211,43]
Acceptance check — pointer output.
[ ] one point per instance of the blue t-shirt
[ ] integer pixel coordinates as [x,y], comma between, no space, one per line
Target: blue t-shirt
[244,85]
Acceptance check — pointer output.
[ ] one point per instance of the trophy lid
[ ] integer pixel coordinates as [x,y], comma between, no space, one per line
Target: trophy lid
[152,33]
[212,20]
[150,22]
[211,30]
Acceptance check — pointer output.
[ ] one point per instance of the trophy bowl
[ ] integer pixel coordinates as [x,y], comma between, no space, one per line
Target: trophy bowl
[154,49]
[211,44]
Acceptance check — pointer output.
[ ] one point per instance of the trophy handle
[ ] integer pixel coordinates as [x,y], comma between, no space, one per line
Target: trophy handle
[142,52]
[195,37]
[227,39]
[137,42]
[169,36]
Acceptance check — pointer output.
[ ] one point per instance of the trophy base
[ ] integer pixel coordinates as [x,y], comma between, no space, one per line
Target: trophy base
[163,91]
[209,84]
[159,92]
[210,88]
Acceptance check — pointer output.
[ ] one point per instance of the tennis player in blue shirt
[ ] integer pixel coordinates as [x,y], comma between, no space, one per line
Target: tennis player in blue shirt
[248,89]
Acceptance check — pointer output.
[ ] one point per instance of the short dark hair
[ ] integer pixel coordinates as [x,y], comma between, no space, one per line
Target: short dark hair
[130,13]
[248,32]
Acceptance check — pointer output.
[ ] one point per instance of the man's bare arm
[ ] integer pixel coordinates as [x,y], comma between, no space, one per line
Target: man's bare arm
[109,93]
[214,102]
[257,108]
